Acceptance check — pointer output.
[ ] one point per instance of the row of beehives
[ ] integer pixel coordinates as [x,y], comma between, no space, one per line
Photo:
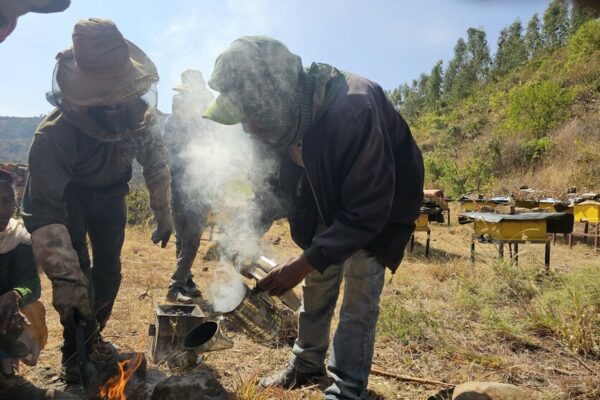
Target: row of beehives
[509,220]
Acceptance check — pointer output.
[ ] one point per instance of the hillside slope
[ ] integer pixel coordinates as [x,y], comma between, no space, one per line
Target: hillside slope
[15,137]
[538,125]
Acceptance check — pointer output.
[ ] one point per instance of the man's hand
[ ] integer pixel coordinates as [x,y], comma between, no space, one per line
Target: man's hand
[286,276]
[11,317]
[161,235]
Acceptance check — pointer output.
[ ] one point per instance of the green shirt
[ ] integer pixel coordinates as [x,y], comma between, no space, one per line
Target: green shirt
[19,272]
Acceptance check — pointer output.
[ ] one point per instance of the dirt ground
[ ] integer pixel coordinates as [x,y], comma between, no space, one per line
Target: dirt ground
[446,342]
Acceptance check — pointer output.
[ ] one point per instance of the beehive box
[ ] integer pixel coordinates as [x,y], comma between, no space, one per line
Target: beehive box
[422,223]
[475,205]
[587,211]
[548,205]
[508,230]
[527,204]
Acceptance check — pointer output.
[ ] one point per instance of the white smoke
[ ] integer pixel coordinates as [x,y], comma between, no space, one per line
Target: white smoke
[227,290]
[222,174]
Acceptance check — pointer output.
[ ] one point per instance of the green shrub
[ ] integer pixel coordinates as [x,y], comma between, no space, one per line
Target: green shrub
[138,207]
[536,107]
[584,42]
[533,150]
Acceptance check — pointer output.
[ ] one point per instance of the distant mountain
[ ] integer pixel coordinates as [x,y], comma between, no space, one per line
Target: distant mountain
[15,137]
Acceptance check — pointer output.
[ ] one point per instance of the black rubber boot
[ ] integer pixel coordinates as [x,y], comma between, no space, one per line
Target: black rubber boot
[190,288]
[290,378]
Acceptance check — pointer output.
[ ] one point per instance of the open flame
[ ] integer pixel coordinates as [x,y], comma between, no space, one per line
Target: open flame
[114,387]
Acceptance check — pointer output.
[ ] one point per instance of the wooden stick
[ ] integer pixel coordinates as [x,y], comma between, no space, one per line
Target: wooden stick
[413,379]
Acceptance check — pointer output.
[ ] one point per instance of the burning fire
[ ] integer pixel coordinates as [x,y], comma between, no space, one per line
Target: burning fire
[114,387]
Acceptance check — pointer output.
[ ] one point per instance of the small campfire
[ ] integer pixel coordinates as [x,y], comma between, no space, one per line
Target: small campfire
[114,387]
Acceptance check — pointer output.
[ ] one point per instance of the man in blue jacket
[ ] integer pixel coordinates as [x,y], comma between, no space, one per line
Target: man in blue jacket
[352,178]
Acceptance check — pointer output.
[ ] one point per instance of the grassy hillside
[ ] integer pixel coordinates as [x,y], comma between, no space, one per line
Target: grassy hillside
[15,137]
[538,125]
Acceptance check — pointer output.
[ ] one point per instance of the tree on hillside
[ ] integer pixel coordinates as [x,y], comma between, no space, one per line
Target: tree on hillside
[533,37]
[470,65]
[433,90]
[406,99]
[479,55]
[512,51]
[584,42]
[455,67]
[581,14]
[556,24]
[395,96]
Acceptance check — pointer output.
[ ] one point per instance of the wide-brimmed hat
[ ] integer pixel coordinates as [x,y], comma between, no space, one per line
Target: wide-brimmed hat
[16,8]
[102,67]
[45,6]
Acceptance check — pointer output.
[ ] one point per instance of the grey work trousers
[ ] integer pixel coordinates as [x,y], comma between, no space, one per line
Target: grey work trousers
[352,347]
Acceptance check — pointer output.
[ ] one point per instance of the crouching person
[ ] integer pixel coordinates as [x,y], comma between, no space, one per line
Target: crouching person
[23,332]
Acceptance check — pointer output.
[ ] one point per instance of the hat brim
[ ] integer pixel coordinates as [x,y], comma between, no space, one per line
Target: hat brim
[52,6]
[223,111]
[94,89]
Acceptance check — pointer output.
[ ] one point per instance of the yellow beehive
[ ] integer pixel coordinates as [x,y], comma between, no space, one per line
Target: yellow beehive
[422,223]
[470,205]
[547,205]
[527,204]
[587,211]
[507,230]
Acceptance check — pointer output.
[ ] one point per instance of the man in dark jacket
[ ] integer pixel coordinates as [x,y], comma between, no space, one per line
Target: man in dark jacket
[353,177]
[80,162]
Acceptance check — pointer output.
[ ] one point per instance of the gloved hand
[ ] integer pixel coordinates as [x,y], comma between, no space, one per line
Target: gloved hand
[159,189]
[11,317]
[162,233]
[54,253]
[70,297]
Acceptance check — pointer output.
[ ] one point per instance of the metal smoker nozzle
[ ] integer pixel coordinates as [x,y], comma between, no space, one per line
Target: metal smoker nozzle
[260,269]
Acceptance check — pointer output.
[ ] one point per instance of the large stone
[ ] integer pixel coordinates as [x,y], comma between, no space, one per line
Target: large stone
[490,391]
[196,385]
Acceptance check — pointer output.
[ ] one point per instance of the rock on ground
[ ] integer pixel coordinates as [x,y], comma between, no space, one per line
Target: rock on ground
[490,391]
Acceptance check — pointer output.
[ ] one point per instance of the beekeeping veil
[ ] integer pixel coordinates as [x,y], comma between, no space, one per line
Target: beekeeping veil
[260,81]
[105,85]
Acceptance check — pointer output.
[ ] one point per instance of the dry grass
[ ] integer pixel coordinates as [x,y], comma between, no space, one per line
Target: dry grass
[441,318]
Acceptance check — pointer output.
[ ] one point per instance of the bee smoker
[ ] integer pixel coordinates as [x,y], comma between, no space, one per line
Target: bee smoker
[257,316]
[172,323]
[260,268]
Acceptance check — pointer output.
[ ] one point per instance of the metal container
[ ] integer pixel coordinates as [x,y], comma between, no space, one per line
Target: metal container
[261,268]
[207,337]
[172,323]
[257,316]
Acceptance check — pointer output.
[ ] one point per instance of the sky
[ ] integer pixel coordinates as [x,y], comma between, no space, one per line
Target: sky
[388,41]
